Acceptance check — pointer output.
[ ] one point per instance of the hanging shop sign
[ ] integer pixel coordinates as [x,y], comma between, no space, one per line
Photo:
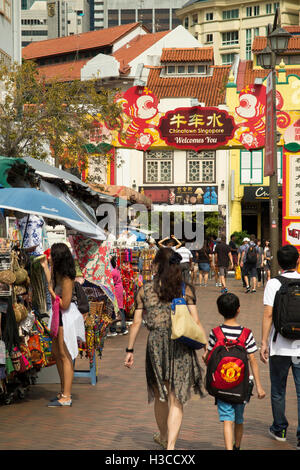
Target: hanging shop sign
[259,193]
[270,134]
[181,195]
[291,199]
[196,128]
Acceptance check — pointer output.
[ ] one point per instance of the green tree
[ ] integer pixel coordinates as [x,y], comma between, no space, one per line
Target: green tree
[212,223]
[36,116]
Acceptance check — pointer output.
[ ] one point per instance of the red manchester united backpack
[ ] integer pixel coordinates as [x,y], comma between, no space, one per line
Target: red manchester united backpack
[227,376]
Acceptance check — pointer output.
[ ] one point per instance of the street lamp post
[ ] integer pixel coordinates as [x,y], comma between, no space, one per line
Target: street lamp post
[277,44]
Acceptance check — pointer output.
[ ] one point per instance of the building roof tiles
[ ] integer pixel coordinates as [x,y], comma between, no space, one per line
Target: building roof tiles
[192,54]
[209,90]
[78,42]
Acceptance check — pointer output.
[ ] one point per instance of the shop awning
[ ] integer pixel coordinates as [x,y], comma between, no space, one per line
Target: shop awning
[89,228]
[49,171]
[122,192]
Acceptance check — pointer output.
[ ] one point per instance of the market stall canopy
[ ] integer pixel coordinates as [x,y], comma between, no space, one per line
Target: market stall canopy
[33,201]
[49,171]
[88,227]
[15,172]
[123,192]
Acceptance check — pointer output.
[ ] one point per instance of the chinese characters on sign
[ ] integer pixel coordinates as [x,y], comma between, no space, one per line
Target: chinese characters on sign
[196,128]
[291,200]
[294,186]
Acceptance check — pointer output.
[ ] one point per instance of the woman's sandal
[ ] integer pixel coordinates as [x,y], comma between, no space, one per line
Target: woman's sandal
[158,440]
[58,397]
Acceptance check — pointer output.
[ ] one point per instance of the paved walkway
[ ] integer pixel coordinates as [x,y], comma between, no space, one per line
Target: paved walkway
[114,414]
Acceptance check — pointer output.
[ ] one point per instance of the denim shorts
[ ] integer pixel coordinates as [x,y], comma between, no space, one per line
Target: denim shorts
[204,267]
[231,412]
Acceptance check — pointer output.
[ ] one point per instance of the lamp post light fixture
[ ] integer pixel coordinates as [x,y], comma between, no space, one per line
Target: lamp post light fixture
[277,43]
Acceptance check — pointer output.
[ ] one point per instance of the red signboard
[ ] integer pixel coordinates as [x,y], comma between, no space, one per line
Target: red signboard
[196,128]
[269,139]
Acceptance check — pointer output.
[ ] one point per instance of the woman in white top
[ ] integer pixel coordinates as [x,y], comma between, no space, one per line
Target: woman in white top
[71,324]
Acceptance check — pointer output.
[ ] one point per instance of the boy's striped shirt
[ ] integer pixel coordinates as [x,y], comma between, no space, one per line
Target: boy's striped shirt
[233,332]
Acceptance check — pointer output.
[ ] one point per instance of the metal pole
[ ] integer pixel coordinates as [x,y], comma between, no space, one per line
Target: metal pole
[273,202]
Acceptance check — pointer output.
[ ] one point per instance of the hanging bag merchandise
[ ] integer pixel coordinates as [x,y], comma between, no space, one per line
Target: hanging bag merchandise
[184,327]
[81,299]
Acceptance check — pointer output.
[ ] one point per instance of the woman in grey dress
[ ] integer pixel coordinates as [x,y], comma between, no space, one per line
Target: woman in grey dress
[172,368]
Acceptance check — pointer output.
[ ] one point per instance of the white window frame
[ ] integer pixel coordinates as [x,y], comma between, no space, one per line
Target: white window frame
[227,55]
[230,14]
[251,167]
[158,156]
[232,38]
[201,158]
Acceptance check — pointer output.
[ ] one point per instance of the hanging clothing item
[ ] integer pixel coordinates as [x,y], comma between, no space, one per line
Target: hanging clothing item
[129,285]
[118,286]
[94,262]
[31,227]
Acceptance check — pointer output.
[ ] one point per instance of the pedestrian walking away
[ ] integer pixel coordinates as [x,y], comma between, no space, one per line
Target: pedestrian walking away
[241,250]
[234,251]
[186,263]
[267,260]
[172,368]
[71,324]
[223,260]
[282,349]
[231,412]
[204,262]
[119,296]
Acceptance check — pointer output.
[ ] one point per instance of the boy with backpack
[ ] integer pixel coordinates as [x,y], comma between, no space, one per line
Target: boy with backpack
[280,345]
[231,348]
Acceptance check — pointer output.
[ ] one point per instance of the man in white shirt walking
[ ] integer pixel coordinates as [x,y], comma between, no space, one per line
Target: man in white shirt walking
[186,263]
[282,353]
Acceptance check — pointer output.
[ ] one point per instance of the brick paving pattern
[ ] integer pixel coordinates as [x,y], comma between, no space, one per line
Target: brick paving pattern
[115,414]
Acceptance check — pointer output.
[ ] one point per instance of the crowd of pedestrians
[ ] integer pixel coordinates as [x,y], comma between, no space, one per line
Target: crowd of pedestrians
[173,369]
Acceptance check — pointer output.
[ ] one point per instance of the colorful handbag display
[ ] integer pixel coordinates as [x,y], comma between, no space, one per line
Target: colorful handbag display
[36,352]
[184,327]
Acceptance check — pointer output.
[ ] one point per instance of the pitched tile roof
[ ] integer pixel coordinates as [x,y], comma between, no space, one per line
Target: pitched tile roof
[209,90]
[62,72]
[78,42]
[247,75]
[260,42]
[191,54]
[135,47]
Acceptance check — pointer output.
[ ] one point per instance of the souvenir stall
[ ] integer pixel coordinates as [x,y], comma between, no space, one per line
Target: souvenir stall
[134,261]
[95,277]
[25,302]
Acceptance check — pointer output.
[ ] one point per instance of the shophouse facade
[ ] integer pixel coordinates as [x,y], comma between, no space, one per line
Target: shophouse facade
[246,97]
[231,26]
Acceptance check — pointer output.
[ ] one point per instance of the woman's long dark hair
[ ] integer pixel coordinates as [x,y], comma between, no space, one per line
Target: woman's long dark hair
[168,278]
[62,261]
